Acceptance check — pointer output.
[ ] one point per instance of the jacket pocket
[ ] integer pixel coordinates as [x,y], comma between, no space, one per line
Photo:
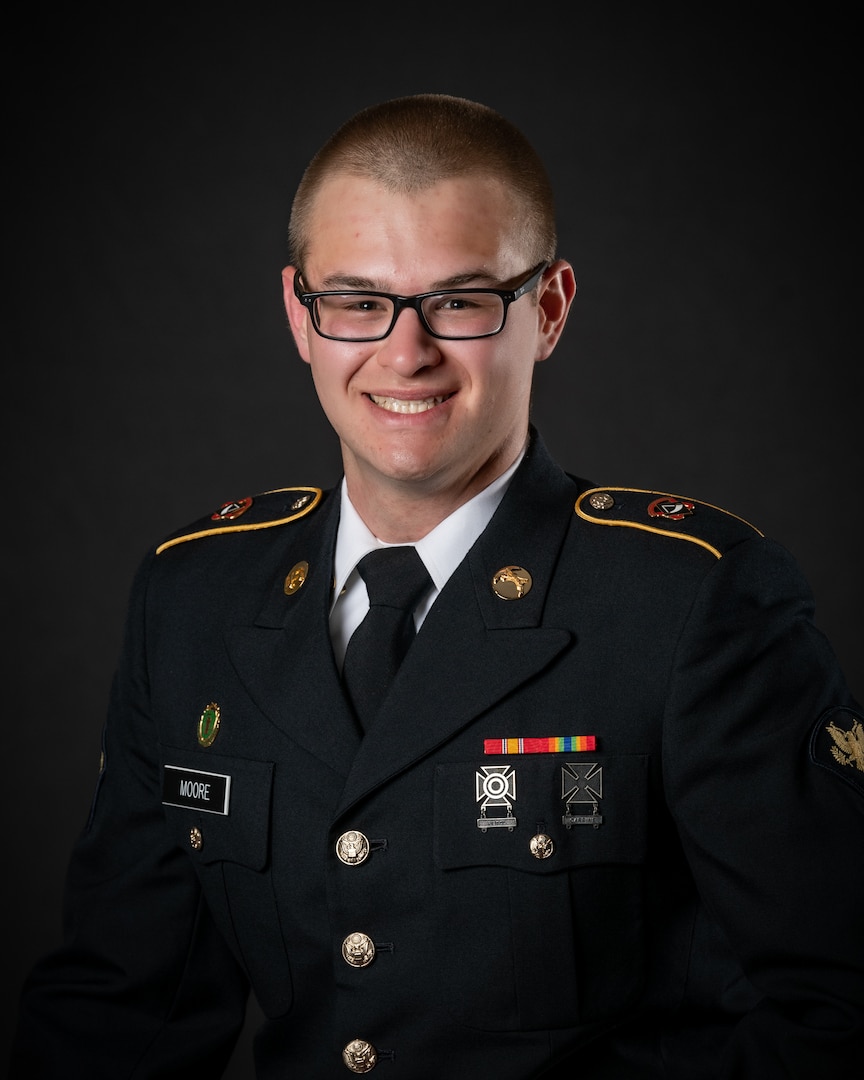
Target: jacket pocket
[540,887]
[219,810]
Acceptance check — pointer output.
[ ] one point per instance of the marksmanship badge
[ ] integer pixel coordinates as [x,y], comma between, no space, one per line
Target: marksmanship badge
[581,787]
[495,787]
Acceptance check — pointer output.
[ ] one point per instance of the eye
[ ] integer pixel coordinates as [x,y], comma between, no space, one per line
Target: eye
[362,303]
[353,304]
[457,302]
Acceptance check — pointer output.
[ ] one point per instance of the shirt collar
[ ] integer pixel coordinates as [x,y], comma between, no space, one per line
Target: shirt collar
[441,550]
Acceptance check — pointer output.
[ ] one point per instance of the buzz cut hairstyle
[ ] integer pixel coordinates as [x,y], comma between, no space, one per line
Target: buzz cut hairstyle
[411,143]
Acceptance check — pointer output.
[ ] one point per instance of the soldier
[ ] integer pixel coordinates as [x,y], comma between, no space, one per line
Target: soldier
[567,785]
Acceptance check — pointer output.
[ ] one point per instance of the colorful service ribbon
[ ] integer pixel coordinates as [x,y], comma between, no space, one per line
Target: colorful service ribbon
[554,744]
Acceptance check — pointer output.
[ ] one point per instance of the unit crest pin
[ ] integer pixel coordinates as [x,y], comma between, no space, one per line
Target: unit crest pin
[670,508]
[230,510]
[208,724]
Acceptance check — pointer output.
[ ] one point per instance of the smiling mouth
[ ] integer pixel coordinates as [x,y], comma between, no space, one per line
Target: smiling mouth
[404,405]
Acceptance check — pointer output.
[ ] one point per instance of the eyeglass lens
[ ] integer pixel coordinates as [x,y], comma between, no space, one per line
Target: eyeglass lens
[452,315]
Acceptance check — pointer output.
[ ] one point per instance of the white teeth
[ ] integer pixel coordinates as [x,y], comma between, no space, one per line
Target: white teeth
[401,405]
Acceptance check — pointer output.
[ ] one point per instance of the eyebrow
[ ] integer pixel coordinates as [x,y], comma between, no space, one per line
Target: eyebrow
[335,282]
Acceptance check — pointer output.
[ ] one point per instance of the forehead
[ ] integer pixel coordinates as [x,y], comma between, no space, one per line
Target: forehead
[357,224]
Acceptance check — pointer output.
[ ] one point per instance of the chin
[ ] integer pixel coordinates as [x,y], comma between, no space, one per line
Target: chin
[410,472]
[403,466]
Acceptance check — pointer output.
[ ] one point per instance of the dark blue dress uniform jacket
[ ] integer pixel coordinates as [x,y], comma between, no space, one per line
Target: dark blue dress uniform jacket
[705,919]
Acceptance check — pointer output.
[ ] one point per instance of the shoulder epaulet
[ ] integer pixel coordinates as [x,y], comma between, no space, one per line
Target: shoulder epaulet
[709,526]
[264,511]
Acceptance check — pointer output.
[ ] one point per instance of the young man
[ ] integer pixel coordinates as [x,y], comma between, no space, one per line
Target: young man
[607,819]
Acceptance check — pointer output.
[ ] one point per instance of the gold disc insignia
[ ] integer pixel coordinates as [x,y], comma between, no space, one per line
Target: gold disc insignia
[512,583]
[296,577]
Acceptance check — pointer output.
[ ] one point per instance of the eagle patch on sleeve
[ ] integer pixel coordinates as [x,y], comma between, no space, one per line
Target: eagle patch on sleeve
[837,744]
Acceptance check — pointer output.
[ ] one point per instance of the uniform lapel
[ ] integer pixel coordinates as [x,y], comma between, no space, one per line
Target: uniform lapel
[475,647]
[285,660]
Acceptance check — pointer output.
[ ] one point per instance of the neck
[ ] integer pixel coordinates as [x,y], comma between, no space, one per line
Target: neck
[403,512]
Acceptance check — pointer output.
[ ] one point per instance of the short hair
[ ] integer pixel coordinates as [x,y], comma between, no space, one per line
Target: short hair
[411,143]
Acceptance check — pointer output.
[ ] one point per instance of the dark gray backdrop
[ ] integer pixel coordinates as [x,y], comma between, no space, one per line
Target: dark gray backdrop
[709,186]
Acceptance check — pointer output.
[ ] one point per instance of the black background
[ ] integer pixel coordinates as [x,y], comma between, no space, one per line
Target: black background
[708,178]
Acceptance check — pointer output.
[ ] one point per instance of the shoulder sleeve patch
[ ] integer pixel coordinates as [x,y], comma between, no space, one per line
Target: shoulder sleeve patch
[265,511]
[837,744]
[681,518]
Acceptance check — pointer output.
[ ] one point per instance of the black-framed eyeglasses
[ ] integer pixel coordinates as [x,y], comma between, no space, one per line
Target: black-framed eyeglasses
[454,314]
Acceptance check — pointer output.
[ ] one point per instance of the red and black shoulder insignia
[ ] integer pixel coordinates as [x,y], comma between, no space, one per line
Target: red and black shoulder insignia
[264,511]
[709,526]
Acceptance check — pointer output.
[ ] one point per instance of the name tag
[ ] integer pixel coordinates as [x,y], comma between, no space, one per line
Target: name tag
[195,790]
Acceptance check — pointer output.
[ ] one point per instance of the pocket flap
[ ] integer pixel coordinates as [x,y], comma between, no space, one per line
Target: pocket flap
[225,799]
[487,815]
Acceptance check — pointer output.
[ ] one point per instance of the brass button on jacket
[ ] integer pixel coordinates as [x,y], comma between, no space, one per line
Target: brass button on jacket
[358,950]
[360,1056]
[352,848]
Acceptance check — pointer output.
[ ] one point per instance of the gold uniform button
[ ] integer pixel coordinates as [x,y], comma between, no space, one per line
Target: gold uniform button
[360,1056]
[352,848]
[601,500]
[541,846]
[195,837]
[358,950]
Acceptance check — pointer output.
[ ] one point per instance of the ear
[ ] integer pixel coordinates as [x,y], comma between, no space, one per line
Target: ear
[298,316]
[557,291]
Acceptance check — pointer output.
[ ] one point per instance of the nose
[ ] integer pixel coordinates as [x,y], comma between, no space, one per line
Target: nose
[408,348]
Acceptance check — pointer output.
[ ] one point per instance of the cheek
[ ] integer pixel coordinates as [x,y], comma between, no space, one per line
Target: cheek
[324,380]
[332,370]
[507,377]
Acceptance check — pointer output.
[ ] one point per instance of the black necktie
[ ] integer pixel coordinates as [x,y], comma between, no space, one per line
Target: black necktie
[395,580]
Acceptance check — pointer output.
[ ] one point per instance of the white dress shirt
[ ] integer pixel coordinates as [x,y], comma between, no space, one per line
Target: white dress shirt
[441,550]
